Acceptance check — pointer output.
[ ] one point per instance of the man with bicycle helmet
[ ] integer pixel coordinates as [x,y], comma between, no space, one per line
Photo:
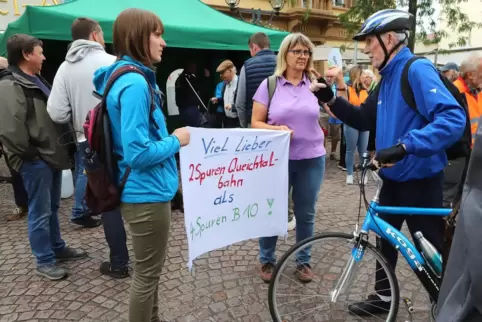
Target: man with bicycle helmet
[410,143]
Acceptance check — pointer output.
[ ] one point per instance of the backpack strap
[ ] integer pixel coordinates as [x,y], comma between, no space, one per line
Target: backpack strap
[120,72]
[272,82]
[115,76]
[407,92]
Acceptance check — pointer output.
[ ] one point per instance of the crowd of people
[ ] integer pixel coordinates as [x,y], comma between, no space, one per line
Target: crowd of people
[281,92]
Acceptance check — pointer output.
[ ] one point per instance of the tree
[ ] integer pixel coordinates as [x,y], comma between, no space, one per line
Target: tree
[424,10]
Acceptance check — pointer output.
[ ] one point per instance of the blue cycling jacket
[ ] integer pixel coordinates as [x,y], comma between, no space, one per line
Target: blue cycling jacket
[395,122]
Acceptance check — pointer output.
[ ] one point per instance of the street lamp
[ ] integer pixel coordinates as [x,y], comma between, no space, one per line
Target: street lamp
[256,14]
[277,5]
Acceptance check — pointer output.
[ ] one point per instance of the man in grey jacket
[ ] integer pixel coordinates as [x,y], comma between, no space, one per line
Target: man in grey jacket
[31,143]
[70,101]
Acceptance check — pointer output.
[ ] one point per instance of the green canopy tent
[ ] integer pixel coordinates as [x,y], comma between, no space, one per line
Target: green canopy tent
[193,32]
[188,23]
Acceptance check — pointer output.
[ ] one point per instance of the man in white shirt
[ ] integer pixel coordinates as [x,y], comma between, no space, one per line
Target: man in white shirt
[70,100]
[227,71]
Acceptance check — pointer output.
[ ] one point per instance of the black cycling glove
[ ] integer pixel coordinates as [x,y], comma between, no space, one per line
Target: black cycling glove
[391,155]
[324,95]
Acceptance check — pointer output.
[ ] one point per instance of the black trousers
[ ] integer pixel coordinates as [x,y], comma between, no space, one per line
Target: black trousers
[424,193]
[222,121]
[342,149]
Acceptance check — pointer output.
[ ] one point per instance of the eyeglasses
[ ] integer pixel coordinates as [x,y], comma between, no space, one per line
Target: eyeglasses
[299,52]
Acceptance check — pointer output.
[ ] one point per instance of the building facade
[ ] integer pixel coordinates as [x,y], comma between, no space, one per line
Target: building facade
[11,10]
[318,19]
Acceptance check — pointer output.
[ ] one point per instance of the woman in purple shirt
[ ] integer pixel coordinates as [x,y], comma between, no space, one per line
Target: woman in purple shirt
[294,108]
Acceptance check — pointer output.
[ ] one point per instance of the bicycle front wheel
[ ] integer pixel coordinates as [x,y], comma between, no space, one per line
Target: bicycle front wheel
[333,266]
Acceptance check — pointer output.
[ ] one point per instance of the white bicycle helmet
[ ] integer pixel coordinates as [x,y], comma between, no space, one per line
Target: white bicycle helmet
[384,21]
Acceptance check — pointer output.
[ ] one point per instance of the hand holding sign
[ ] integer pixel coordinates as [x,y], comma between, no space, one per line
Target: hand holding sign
[182,135]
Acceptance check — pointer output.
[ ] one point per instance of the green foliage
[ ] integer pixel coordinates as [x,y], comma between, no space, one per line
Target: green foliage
[456,21]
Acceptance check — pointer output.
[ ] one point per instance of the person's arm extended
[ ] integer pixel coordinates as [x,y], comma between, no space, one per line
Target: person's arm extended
[14,133]
[58,104]
[139,150]
[435,103]
[362,118]
[241,99]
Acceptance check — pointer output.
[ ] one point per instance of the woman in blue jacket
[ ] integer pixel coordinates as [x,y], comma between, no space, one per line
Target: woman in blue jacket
[143,144]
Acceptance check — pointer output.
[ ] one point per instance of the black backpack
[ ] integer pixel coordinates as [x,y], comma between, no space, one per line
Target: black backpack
[462,147]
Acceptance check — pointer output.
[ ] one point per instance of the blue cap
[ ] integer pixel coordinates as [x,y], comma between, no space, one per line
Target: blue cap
[449,66]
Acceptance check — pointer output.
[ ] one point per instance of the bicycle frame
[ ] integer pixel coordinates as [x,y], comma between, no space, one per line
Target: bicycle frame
[398,240]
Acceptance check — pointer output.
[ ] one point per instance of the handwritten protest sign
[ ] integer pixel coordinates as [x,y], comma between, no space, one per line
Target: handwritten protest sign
[235,187]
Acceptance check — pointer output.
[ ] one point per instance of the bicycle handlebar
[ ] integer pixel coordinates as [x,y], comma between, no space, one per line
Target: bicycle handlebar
[368,164]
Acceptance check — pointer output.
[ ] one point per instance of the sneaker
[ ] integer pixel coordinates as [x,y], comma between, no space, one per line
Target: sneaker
[87,222]
[349,179]
[118,273]
[304,273]
[371,306]
[266,271]
[70,254]
[53,272]
[17,213]
[292,224]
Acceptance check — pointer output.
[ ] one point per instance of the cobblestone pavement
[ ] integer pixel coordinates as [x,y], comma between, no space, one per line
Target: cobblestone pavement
[224,288]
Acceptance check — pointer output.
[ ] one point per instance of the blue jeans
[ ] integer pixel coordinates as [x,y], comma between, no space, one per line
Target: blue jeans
[115,235]
[80,208]
[354,139]
[43,186]
[305,178]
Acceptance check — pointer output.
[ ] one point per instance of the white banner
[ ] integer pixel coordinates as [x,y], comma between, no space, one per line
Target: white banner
[235,187]
[335,59]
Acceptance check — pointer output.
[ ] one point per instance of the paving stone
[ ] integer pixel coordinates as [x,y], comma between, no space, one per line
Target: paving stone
[225,286]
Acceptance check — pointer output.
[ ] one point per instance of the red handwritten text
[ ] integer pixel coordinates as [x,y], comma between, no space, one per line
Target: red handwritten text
[200,174]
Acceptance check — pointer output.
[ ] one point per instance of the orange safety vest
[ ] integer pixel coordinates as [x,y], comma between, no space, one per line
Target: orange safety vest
[356,99]
[474,104]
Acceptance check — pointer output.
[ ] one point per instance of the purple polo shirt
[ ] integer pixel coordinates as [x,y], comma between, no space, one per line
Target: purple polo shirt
[297,108]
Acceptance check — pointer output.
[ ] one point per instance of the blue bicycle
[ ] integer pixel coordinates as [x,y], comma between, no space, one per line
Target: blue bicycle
[327,292]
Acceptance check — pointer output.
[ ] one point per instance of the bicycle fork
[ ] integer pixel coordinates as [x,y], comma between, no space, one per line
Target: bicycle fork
[344,279]
[349,270]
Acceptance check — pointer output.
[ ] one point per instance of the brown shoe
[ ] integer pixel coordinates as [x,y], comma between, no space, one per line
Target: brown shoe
[304,273]
[17,213]
[266,271]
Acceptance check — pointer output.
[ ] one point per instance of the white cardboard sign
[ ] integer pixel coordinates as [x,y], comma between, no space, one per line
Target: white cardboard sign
[235,186]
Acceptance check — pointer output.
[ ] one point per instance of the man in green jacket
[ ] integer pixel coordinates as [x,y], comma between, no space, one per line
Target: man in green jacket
[30,140]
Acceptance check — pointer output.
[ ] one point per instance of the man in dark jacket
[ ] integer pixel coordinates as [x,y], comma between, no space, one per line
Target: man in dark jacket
[30,141]
[188,97]
[19,192]
[260,66]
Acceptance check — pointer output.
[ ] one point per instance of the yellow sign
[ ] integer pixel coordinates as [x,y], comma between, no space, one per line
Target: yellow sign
[15,4]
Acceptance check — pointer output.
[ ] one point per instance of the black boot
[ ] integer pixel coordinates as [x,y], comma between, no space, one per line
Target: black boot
[371,306]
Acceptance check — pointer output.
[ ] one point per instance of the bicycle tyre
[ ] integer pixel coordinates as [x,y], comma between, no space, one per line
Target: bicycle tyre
[295,248]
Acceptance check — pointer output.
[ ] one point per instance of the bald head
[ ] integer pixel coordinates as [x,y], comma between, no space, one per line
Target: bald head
[3,63]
